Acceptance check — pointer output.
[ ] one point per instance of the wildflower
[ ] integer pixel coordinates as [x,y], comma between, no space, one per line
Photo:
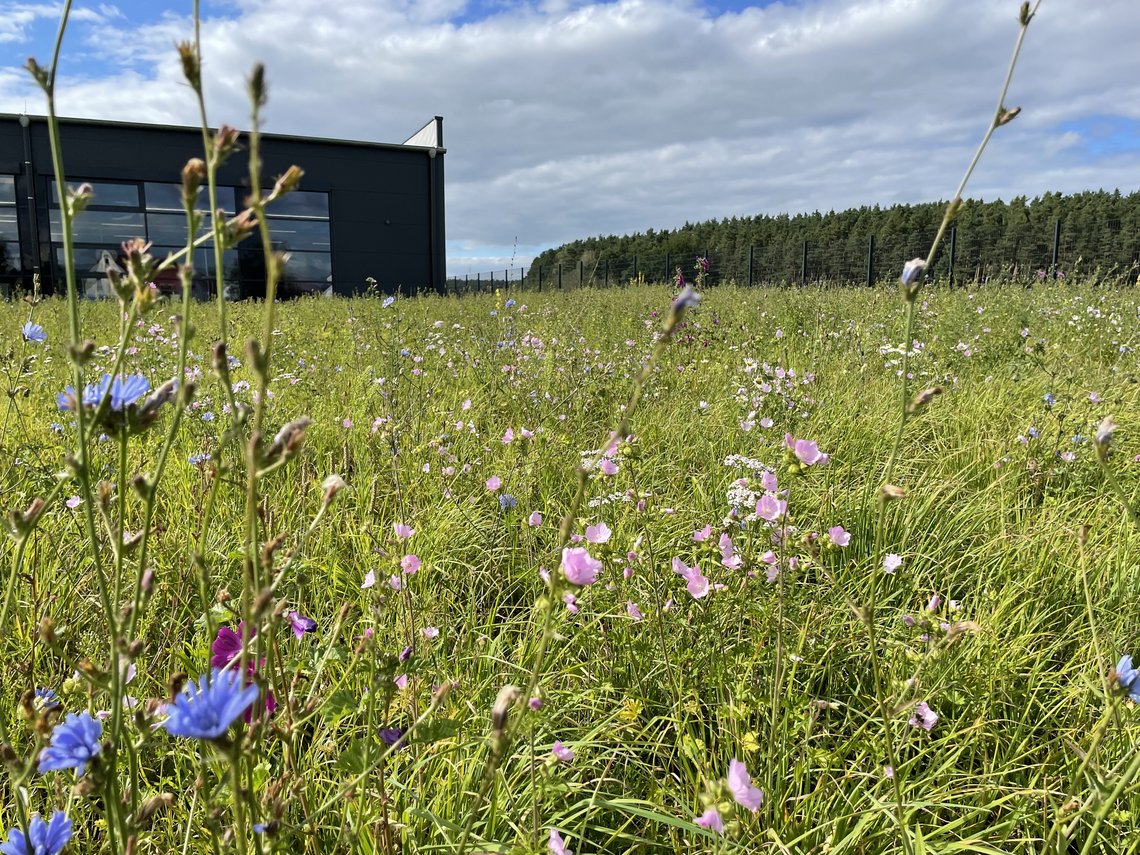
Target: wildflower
[770,508]
[401,682]
[197,459]
[571,603]
[1128,678]
[494,483]
[703,264]
[562,753]
[579,567]
[510,304]
[703,534]
[388,301]
[608,467]
[1103,438]
[711,819]
[45,699]
[74,743]
[227,645]
[300,623]
[369,579]
[698,585]
[535,519]
[740,784]
[808,452]
[912,270]
[687,299]
[507,502]
[403,532]
[410,564]
[396,583]
[891,563]
[838,535]
[206,710]
[74,502]
[43,838]
[391,735]
[34,333]
[633,611]
[923,716]
[430,632]
[535,703]
[508,436]
[557,846]
[599,533]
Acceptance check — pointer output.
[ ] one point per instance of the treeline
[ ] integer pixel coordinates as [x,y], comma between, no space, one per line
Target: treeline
[1099,232]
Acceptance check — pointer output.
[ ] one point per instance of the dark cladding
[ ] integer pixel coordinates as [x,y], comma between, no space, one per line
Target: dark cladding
[364,210]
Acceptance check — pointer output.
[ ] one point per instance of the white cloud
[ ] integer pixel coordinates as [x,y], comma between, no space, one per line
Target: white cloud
[17,18]
[564,119]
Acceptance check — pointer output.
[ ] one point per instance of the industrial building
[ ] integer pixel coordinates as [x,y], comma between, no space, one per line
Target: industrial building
[363,211]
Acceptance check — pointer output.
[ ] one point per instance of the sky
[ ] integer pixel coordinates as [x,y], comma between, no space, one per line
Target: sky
[566,119]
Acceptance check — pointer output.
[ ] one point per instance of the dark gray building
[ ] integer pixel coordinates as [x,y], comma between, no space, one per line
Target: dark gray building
[363,209]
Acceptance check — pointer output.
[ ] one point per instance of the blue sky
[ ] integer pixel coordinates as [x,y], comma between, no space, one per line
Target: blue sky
[565,119]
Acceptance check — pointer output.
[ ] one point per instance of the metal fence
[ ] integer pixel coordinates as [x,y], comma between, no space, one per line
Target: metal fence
[859,260]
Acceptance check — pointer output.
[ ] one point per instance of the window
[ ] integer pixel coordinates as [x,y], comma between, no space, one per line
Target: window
[293,235]
[168,197]
[103,227]
[104,194]
[9,227]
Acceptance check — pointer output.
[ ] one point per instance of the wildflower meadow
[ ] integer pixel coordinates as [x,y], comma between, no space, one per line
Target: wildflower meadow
[649,569]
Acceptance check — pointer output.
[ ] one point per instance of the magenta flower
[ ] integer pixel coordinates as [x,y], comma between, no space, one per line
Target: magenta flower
[535,519]
[410,564]
[562,753]
[702,534]
[508,437]
[711,819]
[571,603]
[401,682]
[633,611]
[808,452]
[768,481]
[403,532]
[369,579]
[743,791]
[728,556]
[698,585]
[227,645]
[579,567]
[838,535]
[300,623]
[599,533]
[494,483]
[608,467]
[923,716]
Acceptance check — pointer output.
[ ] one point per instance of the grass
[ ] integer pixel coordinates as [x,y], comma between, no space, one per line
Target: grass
[1028,744]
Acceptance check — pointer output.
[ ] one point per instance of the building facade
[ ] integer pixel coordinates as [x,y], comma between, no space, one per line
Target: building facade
[363,211]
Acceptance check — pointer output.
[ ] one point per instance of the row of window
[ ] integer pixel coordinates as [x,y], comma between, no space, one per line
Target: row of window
[298,225]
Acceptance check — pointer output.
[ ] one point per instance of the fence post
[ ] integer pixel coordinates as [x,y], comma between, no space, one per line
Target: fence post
[668,272]
[953,252]
[1056,248]
[607,273]
[560,276]
[870,261]
[803,264]
[750,248]
[478,282]
[580,269]
[635,267]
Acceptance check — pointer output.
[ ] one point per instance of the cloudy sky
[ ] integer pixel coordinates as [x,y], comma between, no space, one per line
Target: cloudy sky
[566,119]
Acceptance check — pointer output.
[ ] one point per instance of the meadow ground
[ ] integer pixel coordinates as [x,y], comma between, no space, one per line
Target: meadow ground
[942,661]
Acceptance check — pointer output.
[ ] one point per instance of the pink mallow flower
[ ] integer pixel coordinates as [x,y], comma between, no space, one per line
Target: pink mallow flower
[698,585]
[728,556]
[608,467]
[410,564]
[403,531]
[535,519]
[579,567]
[562,753]
[770,508]
[599,533]
[923,716]
[633,611]
[703,534]
[494,483]
[839,536]
[740,784]
[891,563]
[711,819]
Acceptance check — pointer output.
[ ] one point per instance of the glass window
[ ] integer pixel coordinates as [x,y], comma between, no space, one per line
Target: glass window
[292,235]
[105,227]
[168,197]
[300,204]
[104,193]
[7,190]
[170,229]
[308,267]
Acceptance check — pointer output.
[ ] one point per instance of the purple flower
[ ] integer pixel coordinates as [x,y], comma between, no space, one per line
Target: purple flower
[579,567]
[1128,678]
[740,784]
[838,535]
[75,742]
[562,753]
[556,845]
[698,584]
[711,819]
[923,716]
[300,623]
[391,735]
[34,332]
[206,709]
[44,838]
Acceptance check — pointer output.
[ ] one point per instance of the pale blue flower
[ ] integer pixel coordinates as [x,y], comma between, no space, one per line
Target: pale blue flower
[34,332]
[1128,677]
[75,742]
[206,709]
[44,838]
[388,301]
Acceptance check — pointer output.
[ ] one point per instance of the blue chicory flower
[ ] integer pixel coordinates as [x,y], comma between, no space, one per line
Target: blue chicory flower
[44,838]
[45,699]
[34,332]
[388,301]
[507,501]
[1128,677]
[75,742]
[206,710]
[124,391]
